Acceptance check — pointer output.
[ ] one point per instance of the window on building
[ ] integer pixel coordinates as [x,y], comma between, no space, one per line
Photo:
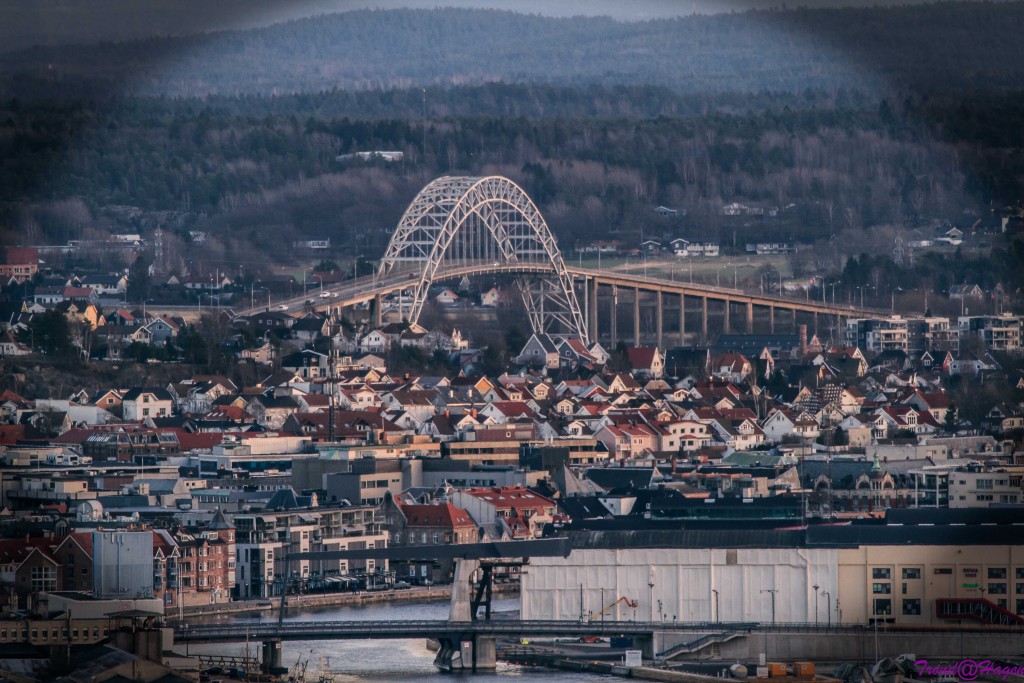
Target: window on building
[882,606]
[44,579]
[997,588]
[881,588]
[911,572]
[911,606]
[997,572]
[881,573]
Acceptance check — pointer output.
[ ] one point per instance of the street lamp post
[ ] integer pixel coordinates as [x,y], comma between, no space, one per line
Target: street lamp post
[718,613]
[816,604]
[828,607]
[650,588]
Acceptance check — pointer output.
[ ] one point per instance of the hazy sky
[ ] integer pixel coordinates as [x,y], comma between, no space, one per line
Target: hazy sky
[28,22]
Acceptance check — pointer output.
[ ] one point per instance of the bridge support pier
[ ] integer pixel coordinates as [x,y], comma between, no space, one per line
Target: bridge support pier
[660,318]
[636,316]
[378,313]
[704,317]
[591,293]
[466,653]
[271,656]
[615,315]
[750,317]
[771,319]
[485,654]
[726,326]
[682,319]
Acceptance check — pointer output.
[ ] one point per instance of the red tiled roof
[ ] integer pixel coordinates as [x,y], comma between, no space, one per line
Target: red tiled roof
[641,356]
[444,515]
[516,497]
[10,434]
[937,400]
[21,255]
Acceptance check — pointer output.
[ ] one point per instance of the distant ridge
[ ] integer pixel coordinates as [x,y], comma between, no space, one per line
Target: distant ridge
[952,45]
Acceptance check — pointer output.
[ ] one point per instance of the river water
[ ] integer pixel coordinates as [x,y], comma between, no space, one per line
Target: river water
[386,661]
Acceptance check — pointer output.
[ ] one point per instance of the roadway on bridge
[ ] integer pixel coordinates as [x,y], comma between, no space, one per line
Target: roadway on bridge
[362,630]
[364,289]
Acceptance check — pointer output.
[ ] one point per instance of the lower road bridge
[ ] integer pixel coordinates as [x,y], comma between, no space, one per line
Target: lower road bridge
[464,644]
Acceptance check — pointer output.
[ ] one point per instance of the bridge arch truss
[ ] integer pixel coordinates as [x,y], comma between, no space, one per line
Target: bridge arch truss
[463,221]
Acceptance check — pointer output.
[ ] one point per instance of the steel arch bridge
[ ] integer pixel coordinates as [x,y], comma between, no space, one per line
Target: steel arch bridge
[489,221]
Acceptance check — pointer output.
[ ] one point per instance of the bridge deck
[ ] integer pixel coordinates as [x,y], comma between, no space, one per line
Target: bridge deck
[362,630]
[364,289]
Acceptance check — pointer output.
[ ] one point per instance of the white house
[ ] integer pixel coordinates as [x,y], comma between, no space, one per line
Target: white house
[375,342]
[490,298]
[141,403]
[447,298]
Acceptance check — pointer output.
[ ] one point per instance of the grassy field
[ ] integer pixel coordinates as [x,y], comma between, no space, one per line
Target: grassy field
[721,270]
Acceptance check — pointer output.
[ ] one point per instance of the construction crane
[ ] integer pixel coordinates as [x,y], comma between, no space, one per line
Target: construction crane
[623,600]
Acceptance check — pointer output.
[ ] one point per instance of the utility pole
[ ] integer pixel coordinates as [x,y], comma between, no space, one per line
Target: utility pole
[581,603]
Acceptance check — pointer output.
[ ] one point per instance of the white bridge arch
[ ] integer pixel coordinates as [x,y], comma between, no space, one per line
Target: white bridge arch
[462,221]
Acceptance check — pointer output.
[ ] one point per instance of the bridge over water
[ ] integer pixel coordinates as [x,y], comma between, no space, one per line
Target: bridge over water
[465,226]
[474,641]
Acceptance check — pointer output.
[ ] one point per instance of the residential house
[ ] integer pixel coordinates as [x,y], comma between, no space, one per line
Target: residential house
[141,403]
[540,352]
[647,362]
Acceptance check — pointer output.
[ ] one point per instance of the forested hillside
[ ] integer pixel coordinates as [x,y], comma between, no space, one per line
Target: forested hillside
[836,120]
[948,45]
[269,179]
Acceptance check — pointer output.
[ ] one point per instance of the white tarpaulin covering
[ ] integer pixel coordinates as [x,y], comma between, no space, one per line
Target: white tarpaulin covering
[682,579]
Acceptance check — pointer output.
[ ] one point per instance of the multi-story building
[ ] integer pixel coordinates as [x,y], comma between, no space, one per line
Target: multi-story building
[418,525]
[997,332]
[907,571]
[19,264]
[876,335]
[936,335]
[207,563]
[268,540]
[975,486]
[366,482]
[512,510]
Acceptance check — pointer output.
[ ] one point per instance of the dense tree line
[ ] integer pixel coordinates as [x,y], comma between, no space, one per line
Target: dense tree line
[259,181]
